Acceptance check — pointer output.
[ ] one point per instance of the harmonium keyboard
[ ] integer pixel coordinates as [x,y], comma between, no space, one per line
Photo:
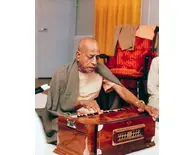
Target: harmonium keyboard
[114,132]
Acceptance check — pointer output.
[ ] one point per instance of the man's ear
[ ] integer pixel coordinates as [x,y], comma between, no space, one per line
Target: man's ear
[78,54]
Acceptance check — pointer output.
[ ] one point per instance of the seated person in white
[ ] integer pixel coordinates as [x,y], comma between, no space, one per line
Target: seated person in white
[153,83]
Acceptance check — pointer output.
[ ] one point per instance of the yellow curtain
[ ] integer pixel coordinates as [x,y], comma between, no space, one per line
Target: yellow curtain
[110,13]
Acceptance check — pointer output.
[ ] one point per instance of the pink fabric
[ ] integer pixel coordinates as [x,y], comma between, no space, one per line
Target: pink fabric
[146,31]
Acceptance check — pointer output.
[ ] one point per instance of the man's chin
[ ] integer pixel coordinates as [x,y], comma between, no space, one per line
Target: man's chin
[90,70]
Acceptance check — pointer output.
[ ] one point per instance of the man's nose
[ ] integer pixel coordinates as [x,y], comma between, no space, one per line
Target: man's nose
[94,61]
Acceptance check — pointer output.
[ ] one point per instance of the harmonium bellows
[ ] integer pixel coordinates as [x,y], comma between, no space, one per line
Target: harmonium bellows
[114,132]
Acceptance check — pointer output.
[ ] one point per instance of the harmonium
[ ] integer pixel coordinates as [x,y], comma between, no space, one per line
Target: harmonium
[114,132]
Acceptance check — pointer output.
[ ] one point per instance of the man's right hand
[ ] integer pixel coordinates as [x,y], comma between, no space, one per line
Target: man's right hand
[90,105]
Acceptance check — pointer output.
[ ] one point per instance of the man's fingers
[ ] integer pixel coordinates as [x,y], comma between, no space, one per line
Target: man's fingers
[150,112]
[155,112]
[96,109]
[140,110]
[96,106]
[93,107]
[83,111]
[101,112]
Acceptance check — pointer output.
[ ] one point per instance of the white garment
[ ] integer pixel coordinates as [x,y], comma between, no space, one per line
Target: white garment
[41,146]
[153,83]
[90,85]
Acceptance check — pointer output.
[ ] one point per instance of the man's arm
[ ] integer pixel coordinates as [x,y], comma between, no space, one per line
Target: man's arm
[130,98]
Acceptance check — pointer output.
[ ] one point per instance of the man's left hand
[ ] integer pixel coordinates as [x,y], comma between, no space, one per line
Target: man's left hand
[154,112]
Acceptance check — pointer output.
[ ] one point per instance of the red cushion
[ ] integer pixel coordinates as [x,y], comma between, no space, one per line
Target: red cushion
[150,55]
[132,59]
[112,62]
[125,72]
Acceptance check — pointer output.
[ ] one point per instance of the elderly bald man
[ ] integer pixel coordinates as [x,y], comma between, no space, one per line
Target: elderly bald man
[85,86]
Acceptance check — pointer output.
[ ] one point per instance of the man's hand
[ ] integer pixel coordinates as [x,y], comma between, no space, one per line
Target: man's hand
[141,107]
[88,106]
[154,112]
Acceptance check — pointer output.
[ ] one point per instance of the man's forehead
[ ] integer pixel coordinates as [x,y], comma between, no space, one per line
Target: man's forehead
[92,52]
[89,46]
[92,48]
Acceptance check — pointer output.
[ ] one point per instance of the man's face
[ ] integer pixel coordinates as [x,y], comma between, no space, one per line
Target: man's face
[87,57]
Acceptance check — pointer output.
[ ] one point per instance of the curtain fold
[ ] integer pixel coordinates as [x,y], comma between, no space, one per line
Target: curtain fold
[110,13]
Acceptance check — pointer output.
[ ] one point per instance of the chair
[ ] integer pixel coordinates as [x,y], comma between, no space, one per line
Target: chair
[131,67]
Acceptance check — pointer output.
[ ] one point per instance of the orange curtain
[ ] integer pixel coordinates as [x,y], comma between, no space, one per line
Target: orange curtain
[109,14]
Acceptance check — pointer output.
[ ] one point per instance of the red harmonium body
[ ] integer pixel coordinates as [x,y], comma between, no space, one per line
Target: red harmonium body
[115,132]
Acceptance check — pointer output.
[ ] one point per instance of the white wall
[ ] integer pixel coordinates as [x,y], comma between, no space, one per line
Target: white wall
[84,23]
[54,47]
[36,40]
[85,17]
[150,12]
